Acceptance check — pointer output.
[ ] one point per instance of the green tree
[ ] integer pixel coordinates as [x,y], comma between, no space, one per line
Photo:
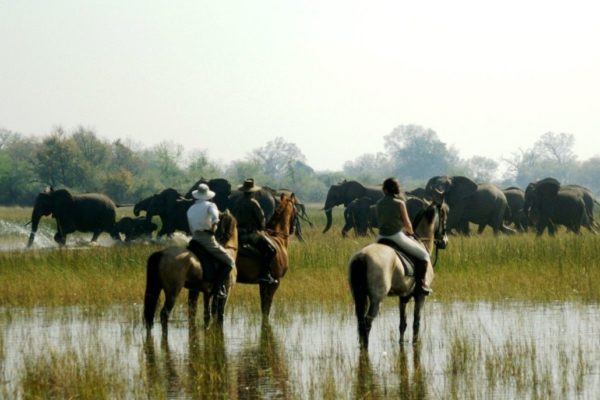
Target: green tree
[417,153]
[118,185]
[57,162]
[481,169]
[278,157]
[200,166]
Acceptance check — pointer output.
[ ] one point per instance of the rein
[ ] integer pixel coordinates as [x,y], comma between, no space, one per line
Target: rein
[439,230]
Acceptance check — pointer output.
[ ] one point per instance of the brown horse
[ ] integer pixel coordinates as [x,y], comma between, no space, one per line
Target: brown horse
[175,267]
[279,228]
[375,271]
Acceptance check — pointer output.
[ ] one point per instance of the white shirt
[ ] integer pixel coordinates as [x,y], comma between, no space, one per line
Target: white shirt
[202,215]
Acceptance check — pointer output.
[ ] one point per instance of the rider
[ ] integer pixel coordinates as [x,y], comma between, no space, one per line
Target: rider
[395,225]
[203,217]
[251,224]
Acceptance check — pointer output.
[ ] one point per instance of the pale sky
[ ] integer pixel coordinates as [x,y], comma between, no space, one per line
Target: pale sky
[333,77]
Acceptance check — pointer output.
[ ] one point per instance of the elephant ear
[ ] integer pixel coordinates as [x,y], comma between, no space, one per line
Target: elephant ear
[460,188]
[547,186]
[62,202]
[62,196]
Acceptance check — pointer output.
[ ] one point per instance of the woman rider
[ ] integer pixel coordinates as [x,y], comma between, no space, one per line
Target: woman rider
[395,225]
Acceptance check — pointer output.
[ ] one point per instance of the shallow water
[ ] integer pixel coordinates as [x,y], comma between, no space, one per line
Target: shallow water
[466,351]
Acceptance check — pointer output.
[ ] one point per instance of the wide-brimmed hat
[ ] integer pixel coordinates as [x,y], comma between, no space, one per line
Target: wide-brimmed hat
[203,192]
[249,186]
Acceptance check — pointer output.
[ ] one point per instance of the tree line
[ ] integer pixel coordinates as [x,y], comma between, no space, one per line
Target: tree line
[84,162]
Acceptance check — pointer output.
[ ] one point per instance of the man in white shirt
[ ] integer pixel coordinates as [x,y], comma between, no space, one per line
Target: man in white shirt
[203,217]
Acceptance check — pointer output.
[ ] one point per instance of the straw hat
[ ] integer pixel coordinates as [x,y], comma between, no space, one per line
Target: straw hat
[203,192]
[249,186]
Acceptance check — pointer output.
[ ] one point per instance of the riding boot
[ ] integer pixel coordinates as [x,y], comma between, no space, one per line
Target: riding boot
[220,284]
[420,277]
[265,275]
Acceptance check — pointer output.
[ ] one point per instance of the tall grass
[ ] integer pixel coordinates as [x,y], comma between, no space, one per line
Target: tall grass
[486,267]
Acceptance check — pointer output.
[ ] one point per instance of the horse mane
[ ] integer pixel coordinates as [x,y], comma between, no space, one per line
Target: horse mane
[279,213]
[226,228]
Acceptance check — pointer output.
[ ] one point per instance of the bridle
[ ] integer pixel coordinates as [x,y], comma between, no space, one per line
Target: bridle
[440,239]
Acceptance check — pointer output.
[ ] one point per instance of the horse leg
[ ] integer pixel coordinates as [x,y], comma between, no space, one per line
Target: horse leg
[368,321]
[220,309]
[95,237]
[267,292]
[207,297]
[166,310]
[419,301]
[403,302]
[192,305]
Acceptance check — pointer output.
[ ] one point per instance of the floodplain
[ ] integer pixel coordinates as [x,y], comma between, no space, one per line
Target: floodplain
[511,317]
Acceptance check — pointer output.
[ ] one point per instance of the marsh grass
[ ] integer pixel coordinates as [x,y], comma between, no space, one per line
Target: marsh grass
[92,279]
[486,267]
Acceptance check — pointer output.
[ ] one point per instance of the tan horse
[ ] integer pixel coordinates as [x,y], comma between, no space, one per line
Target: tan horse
[175,267]
[375,272]
[279,229]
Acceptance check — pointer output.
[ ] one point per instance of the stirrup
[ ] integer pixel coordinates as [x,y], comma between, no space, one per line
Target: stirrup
[268,280]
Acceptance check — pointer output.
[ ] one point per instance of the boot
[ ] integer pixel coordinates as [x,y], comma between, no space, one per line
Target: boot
[220,284]
[265,275]
[420,282]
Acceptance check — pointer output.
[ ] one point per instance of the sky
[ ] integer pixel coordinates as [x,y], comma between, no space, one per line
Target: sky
[333,77]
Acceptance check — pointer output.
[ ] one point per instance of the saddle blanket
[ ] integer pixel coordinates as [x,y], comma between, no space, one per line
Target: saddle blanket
[209,263]
[405,259]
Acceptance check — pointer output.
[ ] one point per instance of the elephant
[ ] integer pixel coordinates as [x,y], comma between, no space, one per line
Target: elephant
[135,228]
[220,186]
[170,206]
[515,212]
[547,204]
[361,214]
[418,192]
[483,204]
[588,198]
[87,212]
[343,193]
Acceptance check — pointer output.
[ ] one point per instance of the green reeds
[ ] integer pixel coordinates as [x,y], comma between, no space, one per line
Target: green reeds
[479,267]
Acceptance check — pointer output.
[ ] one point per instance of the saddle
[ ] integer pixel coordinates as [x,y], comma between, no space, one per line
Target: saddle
[210,265]
[247,249]
[405,259]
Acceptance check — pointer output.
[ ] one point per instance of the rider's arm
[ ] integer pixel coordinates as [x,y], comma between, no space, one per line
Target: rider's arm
[260,217]
[213,216]
[408,228]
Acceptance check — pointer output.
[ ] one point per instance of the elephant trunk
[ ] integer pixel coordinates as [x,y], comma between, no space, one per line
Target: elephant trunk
[329,220]
[36,215]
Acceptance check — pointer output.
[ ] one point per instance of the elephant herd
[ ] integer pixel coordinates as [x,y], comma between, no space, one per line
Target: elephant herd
[96,213]
[542,205]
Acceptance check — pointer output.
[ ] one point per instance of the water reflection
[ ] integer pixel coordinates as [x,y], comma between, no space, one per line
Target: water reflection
[207,363]
[365,385]
[478,349]
[162,368]
[263,370]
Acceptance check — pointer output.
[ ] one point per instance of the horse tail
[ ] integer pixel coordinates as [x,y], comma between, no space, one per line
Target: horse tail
[153,288]
[357,272]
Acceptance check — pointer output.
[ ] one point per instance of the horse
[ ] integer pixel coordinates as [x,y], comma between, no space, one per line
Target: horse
[375,271]
[176,267]
[278,230]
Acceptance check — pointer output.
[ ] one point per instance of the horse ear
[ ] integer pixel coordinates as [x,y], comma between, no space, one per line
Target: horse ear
[282,196]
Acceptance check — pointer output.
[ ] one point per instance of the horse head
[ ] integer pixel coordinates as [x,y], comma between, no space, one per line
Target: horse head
[282,220]
[226,233]
[430,224]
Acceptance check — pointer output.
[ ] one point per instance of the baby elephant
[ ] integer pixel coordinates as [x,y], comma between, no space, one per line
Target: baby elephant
[135,228]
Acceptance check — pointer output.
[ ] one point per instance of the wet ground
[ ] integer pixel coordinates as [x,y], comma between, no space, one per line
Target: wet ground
[507,350]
